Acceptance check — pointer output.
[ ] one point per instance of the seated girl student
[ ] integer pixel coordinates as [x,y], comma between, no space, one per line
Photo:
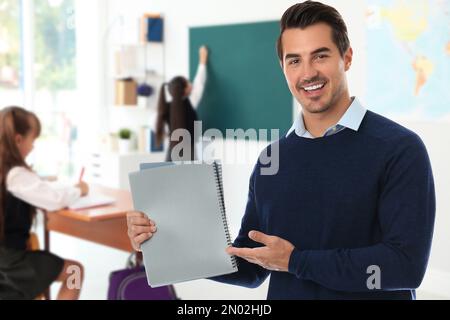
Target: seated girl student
[181,113]
[27,274]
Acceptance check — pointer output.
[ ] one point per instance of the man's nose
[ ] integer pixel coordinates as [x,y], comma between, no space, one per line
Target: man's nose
[308,72]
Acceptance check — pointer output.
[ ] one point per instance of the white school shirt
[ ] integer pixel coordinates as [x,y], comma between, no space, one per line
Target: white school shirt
[27,186]
[198,86]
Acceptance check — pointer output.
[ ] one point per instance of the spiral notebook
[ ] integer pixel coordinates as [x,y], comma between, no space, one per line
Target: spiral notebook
[187,203]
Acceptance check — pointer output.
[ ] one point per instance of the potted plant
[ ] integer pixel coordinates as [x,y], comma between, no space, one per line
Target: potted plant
[124,140]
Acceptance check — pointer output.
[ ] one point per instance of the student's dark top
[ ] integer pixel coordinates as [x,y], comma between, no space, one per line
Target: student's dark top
[346,202]
[24,274]
[17,222]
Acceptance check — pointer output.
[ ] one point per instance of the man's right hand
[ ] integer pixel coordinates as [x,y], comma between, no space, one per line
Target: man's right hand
[140,228]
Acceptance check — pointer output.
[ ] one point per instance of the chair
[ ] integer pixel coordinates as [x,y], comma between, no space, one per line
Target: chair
[33,242]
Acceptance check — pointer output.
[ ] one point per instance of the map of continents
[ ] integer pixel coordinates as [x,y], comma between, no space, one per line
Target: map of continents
[408,48]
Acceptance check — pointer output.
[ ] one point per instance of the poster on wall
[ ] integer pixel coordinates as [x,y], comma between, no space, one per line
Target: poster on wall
[408,66]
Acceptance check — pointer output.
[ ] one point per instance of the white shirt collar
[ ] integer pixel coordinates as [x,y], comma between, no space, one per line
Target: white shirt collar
[351,119]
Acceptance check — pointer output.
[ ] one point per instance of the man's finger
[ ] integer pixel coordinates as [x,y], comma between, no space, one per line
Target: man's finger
[134,231]
[242,252]
[137,230]
[134,214]
[142,238]
[131,214]
[260,237]
[239,252]
[139,221]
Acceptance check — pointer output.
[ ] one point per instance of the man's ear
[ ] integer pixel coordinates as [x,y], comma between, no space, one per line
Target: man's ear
[348,58]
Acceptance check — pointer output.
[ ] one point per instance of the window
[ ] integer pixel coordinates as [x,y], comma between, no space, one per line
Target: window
[54,69]
[38,71]
[10,52]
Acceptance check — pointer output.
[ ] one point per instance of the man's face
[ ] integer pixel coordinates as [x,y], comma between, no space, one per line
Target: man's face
[313,67]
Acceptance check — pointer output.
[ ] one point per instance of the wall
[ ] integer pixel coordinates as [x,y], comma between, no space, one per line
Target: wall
[182,14]
[202,13]
[90,69]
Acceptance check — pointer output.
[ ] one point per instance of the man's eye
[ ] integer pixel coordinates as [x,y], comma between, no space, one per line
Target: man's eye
[293,61]
[321,56]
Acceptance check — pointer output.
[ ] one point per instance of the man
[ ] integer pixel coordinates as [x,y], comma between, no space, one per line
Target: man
[350,213]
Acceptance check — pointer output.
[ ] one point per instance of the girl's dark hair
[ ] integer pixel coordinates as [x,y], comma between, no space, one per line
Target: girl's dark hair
[172,113]
[305,14]
[13,121]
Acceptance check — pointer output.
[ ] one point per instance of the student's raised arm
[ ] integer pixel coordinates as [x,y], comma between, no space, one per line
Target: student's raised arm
[200,78]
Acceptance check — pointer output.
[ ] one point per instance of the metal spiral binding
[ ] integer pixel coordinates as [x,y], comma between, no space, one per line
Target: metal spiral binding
[218,177]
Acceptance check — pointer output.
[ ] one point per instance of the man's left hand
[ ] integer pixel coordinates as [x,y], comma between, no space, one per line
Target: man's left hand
[273,256]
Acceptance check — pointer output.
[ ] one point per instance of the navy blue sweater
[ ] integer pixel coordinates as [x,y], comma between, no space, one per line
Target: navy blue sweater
[346,202]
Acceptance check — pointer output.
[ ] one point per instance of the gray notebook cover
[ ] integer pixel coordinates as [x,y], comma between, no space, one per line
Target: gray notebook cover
[186,203]
[152,165]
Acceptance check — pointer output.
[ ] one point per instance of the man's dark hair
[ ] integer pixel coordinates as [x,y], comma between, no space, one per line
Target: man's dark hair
[305,14]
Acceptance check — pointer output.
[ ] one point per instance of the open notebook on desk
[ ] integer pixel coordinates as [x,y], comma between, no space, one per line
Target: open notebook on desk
[187,203]
[91,201]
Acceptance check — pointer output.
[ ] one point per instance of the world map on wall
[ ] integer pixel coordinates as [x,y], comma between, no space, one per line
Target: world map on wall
[408,66]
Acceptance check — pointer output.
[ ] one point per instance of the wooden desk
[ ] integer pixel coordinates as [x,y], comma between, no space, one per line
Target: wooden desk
[105,225]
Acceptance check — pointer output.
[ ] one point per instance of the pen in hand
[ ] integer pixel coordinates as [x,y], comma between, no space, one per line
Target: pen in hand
[81,175]
[82,185]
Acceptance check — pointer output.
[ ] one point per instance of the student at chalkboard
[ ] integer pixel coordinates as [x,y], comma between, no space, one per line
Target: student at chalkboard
[180,112]
[25,274]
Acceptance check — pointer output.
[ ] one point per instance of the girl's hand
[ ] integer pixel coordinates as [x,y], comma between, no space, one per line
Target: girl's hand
[83,187]
[203,53]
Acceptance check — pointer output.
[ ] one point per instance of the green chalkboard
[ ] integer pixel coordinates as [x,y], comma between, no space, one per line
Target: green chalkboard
[246,87]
